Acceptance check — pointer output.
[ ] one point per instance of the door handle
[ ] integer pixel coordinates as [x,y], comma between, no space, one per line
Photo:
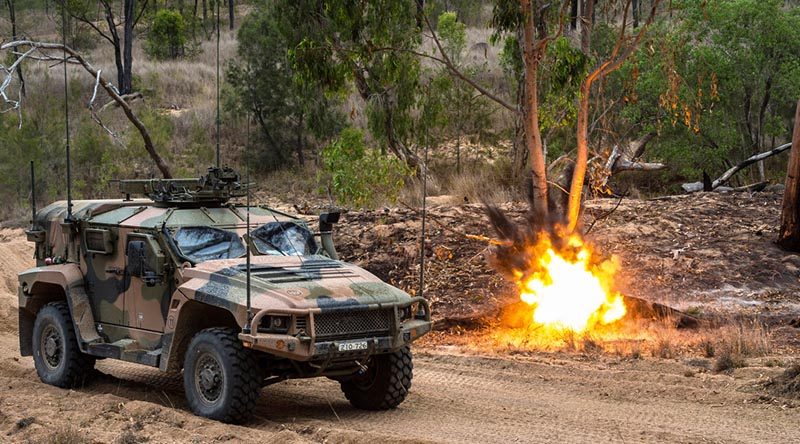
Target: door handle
[115,270]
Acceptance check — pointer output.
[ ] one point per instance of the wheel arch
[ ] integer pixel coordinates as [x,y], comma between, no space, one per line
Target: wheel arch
[42,285]
[193,316]
[38,295]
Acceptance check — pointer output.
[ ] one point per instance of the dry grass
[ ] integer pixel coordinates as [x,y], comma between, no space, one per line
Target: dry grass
[66,435]
[738,341]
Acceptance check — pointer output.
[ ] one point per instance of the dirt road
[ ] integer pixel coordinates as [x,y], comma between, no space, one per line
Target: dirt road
[547,398]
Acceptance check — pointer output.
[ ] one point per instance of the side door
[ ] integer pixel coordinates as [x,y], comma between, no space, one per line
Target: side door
[148,295]
[106,280]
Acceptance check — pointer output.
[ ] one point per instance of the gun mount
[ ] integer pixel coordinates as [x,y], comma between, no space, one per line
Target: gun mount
[216,188]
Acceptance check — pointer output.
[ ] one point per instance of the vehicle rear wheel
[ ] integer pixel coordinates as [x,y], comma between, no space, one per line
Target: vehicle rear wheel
[384,384]
[56,355]
[222,379]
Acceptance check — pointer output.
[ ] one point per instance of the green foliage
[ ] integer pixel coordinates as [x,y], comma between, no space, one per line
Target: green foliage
[358,176]
[294,116]
[721,84]
[561,74]
[41,139]
[167,36]
[469,12]
[160,127]
[366,42]
[453,34]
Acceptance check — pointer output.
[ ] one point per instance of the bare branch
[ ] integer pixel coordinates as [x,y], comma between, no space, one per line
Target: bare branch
[456,72]
[108,87]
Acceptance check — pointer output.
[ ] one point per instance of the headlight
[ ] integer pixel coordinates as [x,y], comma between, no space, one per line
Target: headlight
[274,324]
[420,312]
[413,311]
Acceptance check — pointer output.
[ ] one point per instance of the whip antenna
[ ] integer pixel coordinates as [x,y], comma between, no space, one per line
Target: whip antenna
[218,97]
[424,216]
[247,326]
[33,197]
[66,108]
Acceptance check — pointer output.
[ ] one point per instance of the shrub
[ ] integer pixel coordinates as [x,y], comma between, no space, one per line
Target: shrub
[356,175]
[167,37]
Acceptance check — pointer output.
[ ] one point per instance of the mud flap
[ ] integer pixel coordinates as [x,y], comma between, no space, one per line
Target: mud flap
[82,317]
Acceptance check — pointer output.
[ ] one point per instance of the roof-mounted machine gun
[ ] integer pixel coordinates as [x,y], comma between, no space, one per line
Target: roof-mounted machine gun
[217,187]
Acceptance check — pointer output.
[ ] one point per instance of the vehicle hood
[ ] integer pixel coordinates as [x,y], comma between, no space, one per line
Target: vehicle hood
[287,282]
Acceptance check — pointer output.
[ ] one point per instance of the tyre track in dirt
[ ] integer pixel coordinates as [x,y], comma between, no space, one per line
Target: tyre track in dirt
[472,399]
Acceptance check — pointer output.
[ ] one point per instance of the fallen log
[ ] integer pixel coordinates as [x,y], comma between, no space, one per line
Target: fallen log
[752,188]
[694,187]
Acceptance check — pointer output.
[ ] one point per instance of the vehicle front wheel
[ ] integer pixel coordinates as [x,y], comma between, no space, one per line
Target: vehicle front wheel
[384,384]
[56,355]
[221,378]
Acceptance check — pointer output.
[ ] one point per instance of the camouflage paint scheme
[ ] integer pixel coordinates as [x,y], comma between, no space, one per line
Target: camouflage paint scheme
[121,316]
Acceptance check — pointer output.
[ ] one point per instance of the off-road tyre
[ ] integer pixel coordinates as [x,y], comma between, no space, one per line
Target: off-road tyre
[385,383]
[221,378]
[56,355]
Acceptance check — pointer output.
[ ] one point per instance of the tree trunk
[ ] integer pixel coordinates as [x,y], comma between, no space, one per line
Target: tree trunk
[130,17]
[635,7]
[573,15]
[13,17]
[115,41]
[587,14]
[789,237]
[205,14]
[533,134]
[194,20]
[230,14]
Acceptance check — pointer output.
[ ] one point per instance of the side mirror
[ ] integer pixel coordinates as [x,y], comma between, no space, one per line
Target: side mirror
[136,255]
[326,221]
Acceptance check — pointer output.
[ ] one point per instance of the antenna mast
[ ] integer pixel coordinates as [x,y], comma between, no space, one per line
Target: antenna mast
[247,326]
[424,216]
[66,108]
[218,96]
[33,197]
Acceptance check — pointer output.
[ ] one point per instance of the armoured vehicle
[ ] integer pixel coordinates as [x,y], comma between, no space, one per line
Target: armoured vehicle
[166,281]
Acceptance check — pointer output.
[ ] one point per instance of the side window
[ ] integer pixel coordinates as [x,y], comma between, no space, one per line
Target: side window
[99,241]
[144,258]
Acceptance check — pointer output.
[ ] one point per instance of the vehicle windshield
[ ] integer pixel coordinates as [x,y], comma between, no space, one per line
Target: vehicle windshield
[208,243]
[283,238]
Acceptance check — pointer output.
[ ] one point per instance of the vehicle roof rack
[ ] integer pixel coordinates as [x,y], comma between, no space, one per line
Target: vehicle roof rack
[217,187]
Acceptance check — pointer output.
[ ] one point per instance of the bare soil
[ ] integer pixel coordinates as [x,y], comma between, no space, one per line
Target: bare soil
[708,254]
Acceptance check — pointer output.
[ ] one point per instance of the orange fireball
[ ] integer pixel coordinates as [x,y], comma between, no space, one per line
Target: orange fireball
[570,290]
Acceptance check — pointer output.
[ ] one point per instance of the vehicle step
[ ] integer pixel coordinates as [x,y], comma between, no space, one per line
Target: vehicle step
[126,350]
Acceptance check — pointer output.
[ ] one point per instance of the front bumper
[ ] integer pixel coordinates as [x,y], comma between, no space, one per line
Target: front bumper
[306,346]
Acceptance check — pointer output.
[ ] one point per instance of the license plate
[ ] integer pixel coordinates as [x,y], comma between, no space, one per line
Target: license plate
[353,346]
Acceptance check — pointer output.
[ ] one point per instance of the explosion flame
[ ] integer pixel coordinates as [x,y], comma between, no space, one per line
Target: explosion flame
[568,286]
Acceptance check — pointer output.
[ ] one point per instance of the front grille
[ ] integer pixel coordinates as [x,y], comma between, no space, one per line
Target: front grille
[353,324]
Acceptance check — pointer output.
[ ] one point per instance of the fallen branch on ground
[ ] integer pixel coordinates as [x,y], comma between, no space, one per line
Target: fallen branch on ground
[698,186]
